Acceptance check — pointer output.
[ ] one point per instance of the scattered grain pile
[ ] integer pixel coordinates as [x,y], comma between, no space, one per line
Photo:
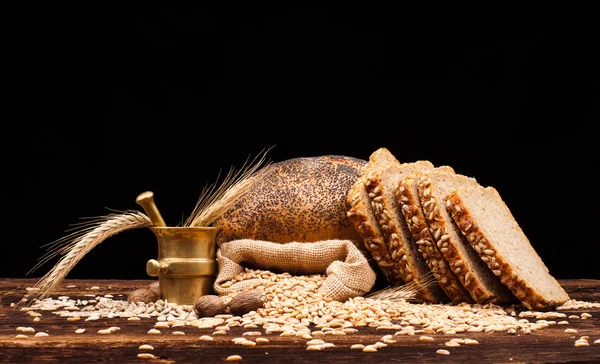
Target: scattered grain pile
[294,308]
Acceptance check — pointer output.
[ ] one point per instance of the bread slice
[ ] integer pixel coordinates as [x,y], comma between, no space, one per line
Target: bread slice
[410,264]
[362,217]
[407,195]
[471,270]
[486,221]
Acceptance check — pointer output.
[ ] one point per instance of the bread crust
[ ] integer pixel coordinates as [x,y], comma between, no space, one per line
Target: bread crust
[468,225]
[412,212]
[448,246]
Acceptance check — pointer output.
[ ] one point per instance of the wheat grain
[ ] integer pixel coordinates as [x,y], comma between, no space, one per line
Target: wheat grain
[76,245]
[215,199]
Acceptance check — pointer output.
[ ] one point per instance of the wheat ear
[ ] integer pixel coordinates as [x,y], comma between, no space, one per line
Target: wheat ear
[215,199]
[77,244]
[406,292]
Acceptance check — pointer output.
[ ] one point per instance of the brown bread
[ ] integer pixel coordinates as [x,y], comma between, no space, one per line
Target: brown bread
[364,220]
[408,198]
[474,274]
[491,229]
[409,262]
[301,199]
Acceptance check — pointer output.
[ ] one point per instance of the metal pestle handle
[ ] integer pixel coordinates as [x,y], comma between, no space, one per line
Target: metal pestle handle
[146,200]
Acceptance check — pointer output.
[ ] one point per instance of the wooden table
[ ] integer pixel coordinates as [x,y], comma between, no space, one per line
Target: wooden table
[63,345]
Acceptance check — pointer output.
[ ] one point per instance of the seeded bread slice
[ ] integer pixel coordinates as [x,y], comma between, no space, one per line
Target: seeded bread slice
[465,262]
[487,222]
[407,195]
[409,263]
[362,217]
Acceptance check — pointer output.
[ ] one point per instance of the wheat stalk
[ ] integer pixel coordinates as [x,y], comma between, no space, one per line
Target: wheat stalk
[215,199]
[405,292]
[76,245]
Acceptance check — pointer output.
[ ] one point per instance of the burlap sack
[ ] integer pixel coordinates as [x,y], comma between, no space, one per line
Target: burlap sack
[349,274]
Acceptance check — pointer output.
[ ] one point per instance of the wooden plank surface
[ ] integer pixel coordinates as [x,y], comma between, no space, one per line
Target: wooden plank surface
[63,345]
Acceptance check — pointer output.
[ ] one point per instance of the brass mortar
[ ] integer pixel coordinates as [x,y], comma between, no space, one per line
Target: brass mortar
[186,265]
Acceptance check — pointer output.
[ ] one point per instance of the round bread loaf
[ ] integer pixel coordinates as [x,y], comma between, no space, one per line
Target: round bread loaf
[301,199]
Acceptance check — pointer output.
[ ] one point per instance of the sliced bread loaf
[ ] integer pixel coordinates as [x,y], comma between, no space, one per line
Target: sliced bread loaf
[362,217]
[465,262]
[410,264]
[486,221]
[407,195]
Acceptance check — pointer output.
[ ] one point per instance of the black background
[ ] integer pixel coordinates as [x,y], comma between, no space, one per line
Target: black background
[105,103]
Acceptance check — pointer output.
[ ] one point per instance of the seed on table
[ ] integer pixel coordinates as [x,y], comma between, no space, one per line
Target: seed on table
[579,343]
[428,339]
[563,322]
[134,318]
[105,332]
[27,330]
[178,333]
[313,348]
[452,344]
[234,358]
[262,340]
[114,328]
[370,349]
[146,347]
[442,352]
[315,342]
[41,334]
[206,338]
[597,342]
[571,331]
[37,319]
[220,332]
[95,287]
[471,342]
[161,325]
[573,316]
[79,331]
[357,347]
[247,342]
[21,336]
[146,356]
[153,332]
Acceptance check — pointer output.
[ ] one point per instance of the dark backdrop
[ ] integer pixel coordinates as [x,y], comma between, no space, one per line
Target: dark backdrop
[106,103]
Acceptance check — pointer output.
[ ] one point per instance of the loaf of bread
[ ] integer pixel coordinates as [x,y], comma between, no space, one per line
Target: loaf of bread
[300,199]
[491,229]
